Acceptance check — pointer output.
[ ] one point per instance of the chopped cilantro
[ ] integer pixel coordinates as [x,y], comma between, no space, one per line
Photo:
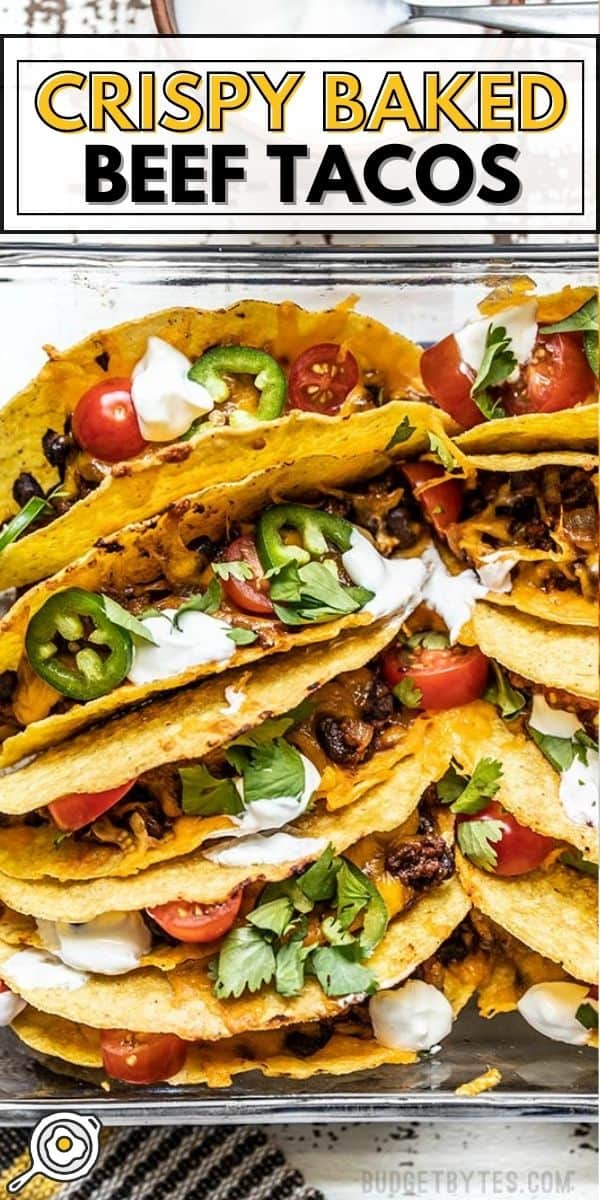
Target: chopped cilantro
[475,839]
[500,692]
[497,364]
[587,1015]
[206,602]
[125,620]
[233,570]
[442,451]
[205,796]
[402,433]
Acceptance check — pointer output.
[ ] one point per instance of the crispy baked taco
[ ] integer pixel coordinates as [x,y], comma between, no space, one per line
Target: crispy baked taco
[523,376]
[220,579]
[528,524]
[396,1026]
[138,415]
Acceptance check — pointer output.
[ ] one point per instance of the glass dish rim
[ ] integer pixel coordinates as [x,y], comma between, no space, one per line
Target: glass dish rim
[241,263]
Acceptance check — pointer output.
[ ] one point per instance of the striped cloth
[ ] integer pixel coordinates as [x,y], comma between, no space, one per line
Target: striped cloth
[172,1163]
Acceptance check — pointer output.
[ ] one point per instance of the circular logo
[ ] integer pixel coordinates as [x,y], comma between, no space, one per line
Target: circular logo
[64,1147]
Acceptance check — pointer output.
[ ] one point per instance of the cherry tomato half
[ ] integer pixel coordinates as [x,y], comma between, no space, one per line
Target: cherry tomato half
[558,376]
[520,849]
[449,380]
[81,808]
[441,504]
[141,1057]
[105,422]
[247,594]
[321,378]
[445,678]
[190,922]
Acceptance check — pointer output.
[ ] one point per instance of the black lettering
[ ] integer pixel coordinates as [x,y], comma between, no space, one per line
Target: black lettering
[183,174]
[372,174]
[223,173]
[512,184]
[103,166]
[142,174]
[334,162]
[288,156]
[424,174]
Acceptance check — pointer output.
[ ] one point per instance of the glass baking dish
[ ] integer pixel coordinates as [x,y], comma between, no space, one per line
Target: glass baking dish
[55,295]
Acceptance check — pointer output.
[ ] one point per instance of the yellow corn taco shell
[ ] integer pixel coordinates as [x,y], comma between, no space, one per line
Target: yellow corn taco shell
[559,656]
[529,593]
[157,550]
[181,1001]
[529,786]
[215,454]
[553,911]
[576,428]
[193,877]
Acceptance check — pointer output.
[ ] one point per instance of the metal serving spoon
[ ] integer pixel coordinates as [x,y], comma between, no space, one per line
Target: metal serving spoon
[526,18]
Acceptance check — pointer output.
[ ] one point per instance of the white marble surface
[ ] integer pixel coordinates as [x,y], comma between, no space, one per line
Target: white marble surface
[469,1161]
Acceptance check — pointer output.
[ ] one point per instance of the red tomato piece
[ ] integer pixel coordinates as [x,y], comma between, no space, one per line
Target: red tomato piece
[189,922]
[105,422]
[558,376]
[449,380]
[141,1057]
[520,849]
[321,378]
[440,504]
[445,678]
[251,595]
[81,808]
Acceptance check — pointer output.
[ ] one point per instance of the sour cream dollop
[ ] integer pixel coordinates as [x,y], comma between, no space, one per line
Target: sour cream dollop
[495,571]
[521,327]
[453,597]
[109,945]
[10,1007]
[28,970]
[578,789]
[275,849]
[198,639]
[553,722]
[415,1016]
[396,582]
[165,400]
[551,1009]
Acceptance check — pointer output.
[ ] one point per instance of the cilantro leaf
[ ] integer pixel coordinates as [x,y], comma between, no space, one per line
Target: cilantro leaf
[575,859]
[246,961]
[497,364]
[584,320]
[233,570]
[272,917]
[125,620]
[587,1015]
[270,770]
[241,636]
[355,892]
[501,693]
[483,784]
[23,519]
[318,882]
[402,433]
[206,602]
[205,796]
[442,451]
[335,934]
[475,838]
[313,593]
[408,693]
[559,751]
[274,727]
[429,639]
[451,785]
[290,889]
[290,967]
[590,349]
[339,973]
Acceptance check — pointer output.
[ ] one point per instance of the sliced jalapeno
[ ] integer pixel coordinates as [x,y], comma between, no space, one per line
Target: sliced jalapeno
[243,360]
[73,646]
[316,529]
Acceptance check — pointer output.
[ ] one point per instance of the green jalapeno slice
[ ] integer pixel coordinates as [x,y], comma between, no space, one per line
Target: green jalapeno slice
[269,379]
[317,531]
[73,646]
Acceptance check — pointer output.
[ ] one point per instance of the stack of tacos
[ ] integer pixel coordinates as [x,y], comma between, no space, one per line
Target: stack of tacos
[299,756]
